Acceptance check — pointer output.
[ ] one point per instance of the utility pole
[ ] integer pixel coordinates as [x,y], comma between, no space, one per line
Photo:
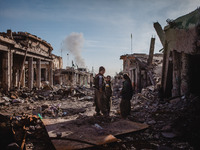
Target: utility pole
[67,59]
[61,48]
[131,43]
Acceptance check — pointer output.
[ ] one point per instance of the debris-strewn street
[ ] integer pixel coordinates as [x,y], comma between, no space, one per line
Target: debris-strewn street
[24,113]
[169,121]
[93,88]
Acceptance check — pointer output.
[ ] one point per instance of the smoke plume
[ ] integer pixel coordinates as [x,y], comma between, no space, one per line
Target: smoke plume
[74,44]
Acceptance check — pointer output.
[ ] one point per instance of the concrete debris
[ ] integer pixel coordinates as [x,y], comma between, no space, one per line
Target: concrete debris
[151,122]
[147,107]
[168,134]
[13,146]
[14,128]
[6,99]
[164,115]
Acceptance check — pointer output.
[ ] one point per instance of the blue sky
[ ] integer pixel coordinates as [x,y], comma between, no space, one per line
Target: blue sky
[106,25]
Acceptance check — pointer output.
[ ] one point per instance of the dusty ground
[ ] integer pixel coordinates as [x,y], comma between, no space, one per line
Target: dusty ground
[173,123]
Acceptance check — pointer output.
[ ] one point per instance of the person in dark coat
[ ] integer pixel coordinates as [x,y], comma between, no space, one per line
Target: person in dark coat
[108,92]
[100,97]
[127,93]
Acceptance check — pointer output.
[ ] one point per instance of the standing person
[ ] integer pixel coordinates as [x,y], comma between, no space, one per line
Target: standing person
[108,92]
[127,93]
[99,93]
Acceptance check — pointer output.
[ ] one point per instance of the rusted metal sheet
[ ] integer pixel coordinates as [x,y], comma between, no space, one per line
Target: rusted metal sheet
[66,144]
[66,134]
[125,126]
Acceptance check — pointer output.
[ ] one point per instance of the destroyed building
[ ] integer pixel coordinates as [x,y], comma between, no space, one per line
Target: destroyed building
[73,77]
[19,49]
[57,62]
[70,76]
[181,42]
[142,69]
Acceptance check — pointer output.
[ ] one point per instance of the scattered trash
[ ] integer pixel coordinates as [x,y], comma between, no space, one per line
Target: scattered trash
[64,113]
[98,126]
[40,116]
[6,99]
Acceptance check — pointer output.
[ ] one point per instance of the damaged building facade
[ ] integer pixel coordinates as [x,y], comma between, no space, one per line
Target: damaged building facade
[143,69]
[73,77]
[57,62]
[22,56]
[181,60]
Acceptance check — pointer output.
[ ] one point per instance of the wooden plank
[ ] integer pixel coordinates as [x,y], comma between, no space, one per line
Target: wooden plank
[87,132]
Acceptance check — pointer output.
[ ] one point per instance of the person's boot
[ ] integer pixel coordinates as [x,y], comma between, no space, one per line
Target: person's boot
[97,114]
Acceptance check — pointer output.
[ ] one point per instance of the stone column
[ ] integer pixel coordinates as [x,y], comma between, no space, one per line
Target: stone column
[23,78]
[7,70]
[11,69]
[30,73]
[38,73]
[51,73]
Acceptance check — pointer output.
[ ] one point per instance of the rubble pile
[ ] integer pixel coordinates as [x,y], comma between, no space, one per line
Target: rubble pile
[46,101]
[173,122]
[156,69]
[23,132]
[22,110]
